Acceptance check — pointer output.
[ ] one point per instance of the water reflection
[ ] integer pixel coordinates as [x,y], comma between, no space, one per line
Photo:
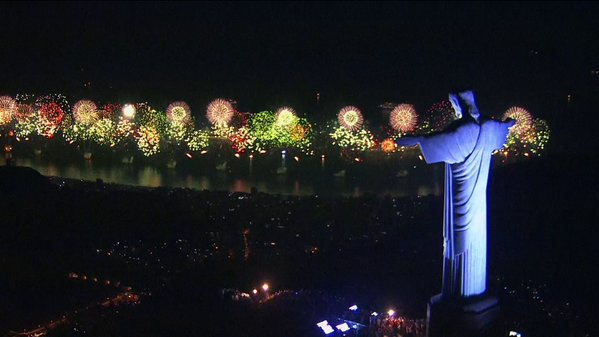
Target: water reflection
[149,176]
[418,181]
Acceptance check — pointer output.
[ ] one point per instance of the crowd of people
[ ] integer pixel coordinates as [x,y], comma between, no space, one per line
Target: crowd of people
[397,327]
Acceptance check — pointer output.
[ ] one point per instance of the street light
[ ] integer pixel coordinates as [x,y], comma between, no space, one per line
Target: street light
[265,287]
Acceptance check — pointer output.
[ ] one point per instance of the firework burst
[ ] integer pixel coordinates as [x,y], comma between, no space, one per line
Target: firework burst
[85,112]
[220,111]
[23,113]
[438,117]
[148,140]
[109,110]
[388,145]
[361,140]
[285,116]
[7,109]
[129,111]
[350,118]
[58,99]
[523,120]
[403,118]
[103,132]
[50,117]
[178,112]
[197,140]
[298,132]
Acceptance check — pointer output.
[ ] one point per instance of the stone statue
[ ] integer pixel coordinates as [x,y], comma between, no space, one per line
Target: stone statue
[465,147]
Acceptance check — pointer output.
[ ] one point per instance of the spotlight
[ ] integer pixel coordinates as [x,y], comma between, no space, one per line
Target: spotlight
[343,327]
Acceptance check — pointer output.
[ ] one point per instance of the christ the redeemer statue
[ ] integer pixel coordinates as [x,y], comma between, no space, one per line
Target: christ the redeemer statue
[465,147]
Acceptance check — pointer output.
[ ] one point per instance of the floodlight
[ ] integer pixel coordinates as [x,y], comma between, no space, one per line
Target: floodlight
[326,328]
[353,307]
[343,327]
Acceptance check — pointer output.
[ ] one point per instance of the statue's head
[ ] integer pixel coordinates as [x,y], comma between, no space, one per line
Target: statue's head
[468,98]
[455,104]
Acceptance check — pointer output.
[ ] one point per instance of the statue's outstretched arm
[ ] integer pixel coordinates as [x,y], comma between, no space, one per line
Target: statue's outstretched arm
[409,141]
[510,122]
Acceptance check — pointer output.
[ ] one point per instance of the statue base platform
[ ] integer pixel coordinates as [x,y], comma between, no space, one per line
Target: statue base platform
[464,318]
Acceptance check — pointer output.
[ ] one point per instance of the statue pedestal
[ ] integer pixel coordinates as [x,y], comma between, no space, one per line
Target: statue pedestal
[463,318]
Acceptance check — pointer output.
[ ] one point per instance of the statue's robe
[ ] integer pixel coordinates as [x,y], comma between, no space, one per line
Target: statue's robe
[466,149]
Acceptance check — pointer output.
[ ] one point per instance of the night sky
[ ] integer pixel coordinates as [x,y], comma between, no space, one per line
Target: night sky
[267,54]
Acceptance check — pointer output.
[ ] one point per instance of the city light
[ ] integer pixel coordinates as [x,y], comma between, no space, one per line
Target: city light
[265,287]
[254,291]
[391,312]
[353,307]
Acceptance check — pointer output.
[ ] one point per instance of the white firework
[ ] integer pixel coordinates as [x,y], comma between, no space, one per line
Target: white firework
[285,116]
[178,112]
[220,112]
[350,118]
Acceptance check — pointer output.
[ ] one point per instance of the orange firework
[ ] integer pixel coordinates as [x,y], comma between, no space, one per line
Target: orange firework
[403,118]
[298,133]
[388,145]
